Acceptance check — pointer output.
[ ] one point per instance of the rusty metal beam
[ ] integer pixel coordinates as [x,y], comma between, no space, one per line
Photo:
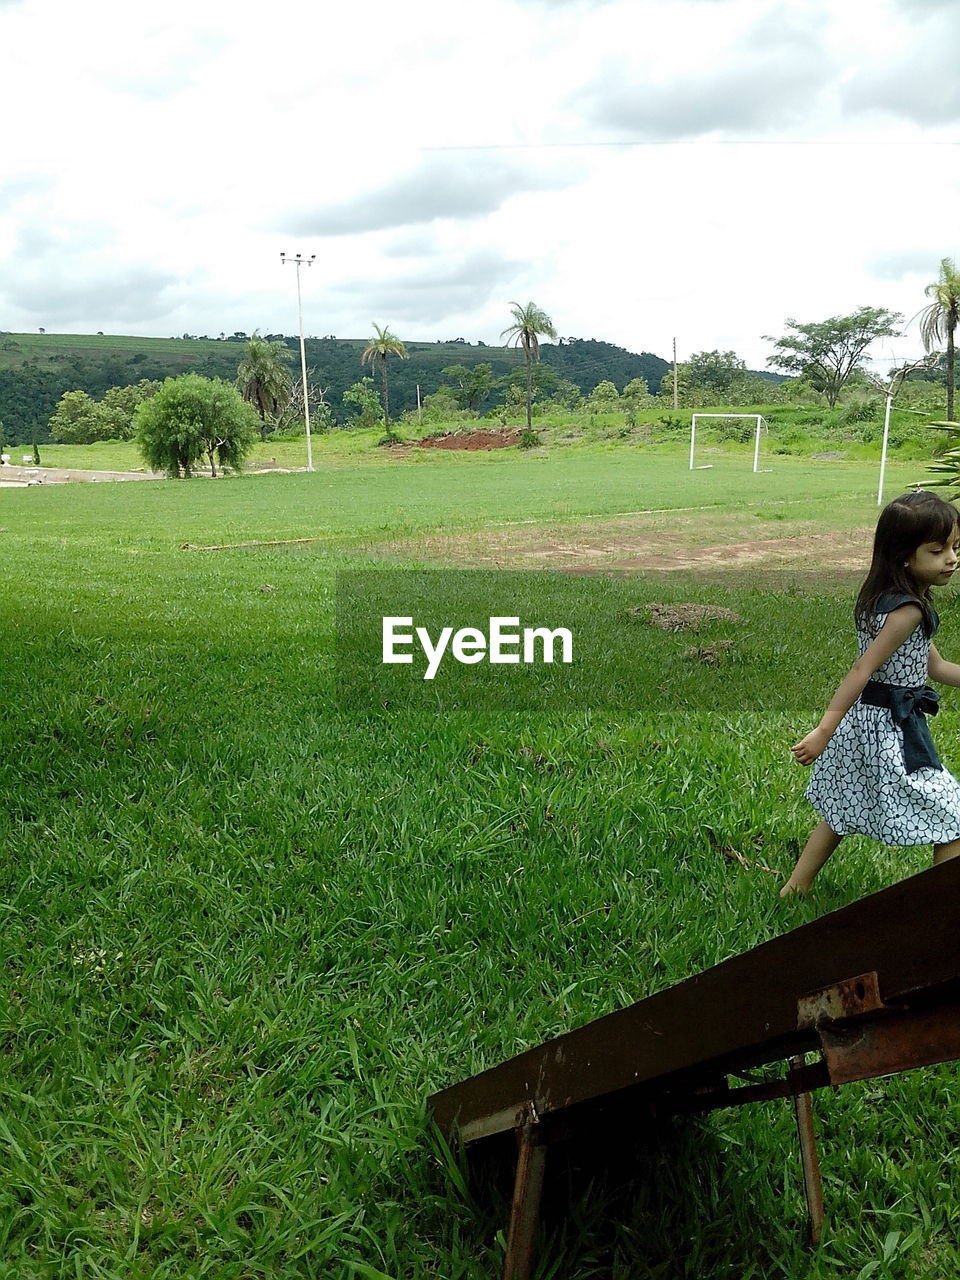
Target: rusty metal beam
[797,1080]
[740,1013]
[899,1042]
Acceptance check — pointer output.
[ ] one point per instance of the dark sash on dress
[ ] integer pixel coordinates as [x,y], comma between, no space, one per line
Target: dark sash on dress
[908,710]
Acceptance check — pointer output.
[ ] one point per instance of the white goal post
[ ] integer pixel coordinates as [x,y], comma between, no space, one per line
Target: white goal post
[754,417]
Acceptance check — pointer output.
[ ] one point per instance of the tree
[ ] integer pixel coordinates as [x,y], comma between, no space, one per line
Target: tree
[365,398]
[938,321]
[604,398]
[441,406]
[947,467]
[79,419]
[263,377]
[292,418]
[470,386]
[544,382]
[637,393]
[75,419]
[191,418]
[827,353]
[530,323]
[564,394]
[715,371]
[118,406]
[384,344]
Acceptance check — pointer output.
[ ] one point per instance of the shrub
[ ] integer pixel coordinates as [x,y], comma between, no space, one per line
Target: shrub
[192,418]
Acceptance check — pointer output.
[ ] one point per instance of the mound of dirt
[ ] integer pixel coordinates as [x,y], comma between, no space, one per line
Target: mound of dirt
[679,617]
[709,654]
[472,440]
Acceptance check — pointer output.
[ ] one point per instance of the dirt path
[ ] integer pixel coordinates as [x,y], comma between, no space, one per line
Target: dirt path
[655,541]
[20,477]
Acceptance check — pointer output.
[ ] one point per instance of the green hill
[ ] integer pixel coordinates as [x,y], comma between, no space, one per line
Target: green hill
[37,368]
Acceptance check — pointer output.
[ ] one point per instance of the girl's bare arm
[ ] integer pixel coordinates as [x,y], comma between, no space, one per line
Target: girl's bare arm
[942,671]
[897,626]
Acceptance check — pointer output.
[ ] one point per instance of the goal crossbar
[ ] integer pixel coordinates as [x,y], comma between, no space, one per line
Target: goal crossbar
[754,417]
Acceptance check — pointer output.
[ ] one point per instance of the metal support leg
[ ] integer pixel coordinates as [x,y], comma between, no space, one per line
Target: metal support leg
[812,1186]
[525,1210]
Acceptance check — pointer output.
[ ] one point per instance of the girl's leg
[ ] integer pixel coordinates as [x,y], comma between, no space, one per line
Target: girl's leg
[943,852]
[821,843]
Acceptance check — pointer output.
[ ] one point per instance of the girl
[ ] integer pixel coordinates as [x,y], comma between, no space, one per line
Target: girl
[877,770]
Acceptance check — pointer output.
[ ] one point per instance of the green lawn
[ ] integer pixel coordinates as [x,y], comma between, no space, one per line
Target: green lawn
[248,926]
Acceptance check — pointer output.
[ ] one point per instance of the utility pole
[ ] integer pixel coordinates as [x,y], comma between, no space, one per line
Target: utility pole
[300,261]
[675,402]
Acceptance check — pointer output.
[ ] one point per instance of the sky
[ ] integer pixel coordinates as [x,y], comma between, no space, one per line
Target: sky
[643,170]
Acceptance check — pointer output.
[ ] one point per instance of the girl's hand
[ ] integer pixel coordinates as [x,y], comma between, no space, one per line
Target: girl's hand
[808,748]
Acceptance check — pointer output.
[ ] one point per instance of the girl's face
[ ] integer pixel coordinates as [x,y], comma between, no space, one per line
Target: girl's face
[934,563]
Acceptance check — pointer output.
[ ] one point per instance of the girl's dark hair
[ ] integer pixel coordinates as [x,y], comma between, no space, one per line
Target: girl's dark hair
[905,524]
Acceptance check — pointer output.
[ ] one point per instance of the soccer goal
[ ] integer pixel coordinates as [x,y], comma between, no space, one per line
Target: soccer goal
[753,417]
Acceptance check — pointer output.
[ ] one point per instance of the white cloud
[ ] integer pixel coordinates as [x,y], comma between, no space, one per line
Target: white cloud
[454,185]
[437,290]
[112,297]
[898,263]
[752,73]
[917,81]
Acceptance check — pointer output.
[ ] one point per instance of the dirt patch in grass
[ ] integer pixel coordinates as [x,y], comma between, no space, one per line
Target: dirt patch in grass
[645,541]
[682,616]
[838,549]
[471,440]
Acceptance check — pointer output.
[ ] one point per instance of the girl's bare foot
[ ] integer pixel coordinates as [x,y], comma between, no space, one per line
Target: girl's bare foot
[791,890]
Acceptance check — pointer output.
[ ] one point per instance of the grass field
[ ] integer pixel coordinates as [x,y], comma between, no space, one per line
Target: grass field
[15,348]
[249,925]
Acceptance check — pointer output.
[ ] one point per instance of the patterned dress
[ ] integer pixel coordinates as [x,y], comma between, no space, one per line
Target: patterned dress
[860,783]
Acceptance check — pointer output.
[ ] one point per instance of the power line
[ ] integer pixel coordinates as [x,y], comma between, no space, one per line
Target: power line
[687,142]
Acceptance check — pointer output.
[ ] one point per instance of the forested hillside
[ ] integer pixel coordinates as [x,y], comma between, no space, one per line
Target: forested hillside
[36,369]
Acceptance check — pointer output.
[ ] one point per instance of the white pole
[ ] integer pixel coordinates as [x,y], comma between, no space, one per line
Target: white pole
[419,407]
[693,429]
[303,375]
[883,450]
[756,447]
[299,260]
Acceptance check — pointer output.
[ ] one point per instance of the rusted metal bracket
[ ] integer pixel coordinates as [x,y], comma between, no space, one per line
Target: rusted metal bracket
[527,1187]
[850,998]
[862,1036]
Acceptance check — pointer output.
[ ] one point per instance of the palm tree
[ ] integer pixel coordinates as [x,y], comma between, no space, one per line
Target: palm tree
[264,379]
[939,320]
[384,344]
[529,323]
